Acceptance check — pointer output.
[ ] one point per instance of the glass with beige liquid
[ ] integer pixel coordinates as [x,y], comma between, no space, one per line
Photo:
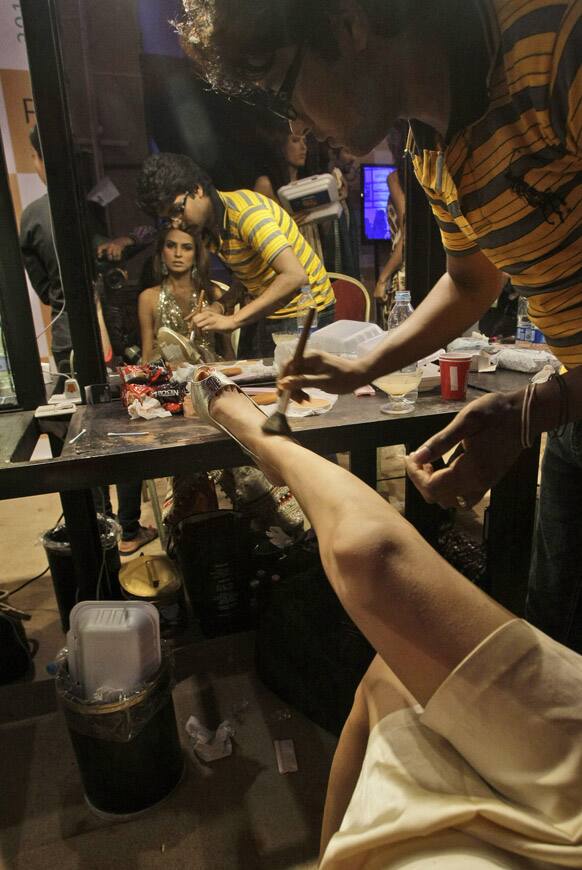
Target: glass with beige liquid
[402,388]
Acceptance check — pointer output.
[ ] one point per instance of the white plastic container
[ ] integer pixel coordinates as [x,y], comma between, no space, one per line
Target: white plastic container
[113,645]
[344,336]
[370,343]
[318,194]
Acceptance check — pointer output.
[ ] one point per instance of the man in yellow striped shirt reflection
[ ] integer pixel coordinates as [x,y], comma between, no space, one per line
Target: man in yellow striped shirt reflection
[253,236]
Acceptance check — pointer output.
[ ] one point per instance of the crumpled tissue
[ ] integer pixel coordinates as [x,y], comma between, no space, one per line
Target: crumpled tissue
[210,745]
[183,374]
[523,359]
[543,375]
[149,409]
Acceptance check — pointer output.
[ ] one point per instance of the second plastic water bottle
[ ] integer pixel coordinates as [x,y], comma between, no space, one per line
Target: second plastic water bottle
[306,300]
[401,310]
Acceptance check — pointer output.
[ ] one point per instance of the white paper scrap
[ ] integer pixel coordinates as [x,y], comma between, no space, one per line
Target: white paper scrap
[104,192]
[285,755]
[210,745]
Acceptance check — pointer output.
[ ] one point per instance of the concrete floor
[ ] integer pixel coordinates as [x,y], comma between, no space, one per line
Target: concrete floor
[236,813]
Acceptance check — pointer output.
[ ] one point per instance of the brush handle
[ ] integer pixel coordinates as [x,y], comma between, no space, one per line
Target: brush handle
[283,402]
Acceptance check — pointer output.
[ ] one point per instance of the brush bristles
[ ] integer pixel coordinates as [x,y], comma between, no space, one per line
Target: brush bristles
[276,424]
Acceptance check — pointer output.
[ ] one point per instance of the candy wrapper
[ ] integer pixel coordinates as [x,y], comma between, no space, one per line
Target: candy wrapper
[170,395]
[140,382]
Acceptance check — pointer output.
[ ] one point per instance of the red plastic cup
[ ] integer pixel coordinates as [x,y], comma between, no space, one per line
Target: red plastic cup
[454,375]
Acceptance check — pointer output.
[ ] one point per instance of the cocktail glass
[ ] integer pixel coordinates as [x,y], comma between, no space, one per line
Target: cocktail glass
[398,386]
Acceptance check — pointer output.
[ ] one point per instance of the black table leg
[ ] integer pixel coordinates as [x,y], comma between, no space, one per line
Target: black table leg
[509,531]
[363,465]
[83,534]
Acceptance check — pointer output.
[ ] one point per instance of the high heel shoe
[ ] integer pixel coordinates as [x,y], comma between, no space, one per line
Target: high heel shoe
[205,385]
[272,503]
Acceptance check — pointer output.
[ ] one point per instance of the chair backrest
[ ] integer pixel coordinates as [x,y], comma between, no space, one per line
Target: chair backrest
[352,301]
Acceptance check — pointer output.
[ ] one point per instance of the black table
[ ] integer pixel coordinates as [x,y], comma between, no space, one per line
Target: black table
[176,445]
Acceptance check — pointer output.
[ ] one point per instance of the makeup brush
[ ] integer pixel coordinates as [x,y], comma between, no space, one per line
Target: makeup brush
[277,423]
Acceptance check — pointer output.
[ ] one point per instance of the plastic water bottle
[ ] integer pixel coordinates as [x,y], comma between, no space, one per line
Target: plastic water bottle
[401,310]
[305,301]
[526,333]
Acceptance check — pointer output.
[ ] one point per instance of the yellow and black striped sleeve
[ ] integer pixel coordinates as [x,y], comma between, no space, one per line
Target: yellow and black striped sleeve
[565,102]
[455,242]
[257,228]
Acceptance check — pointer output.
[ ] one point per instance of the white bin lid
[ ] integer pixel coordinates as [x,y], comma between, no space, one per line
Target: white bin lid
[113,645]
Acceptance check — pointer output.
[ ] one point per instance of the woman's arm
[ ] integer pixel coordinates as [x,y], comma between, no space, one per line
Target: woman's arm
[290,276]
[457,300]
[395,259]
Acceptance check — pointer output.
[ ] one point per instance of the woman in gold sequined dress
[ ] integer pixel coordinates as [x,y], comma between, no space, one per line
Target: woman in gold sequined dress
[182,265]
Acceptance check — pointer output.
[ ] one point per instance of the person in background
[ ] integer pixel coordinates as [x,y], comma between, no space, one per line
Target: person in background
[351,192]
[181,269]
[391,276]
[40,261]
[493,94]
[290,156]
[463,749]
[253,236]
[286,164]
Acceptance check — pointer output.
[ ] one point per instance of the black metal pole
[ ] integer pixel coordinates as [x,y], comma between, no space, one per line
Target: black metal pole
[66,197]
[15,310]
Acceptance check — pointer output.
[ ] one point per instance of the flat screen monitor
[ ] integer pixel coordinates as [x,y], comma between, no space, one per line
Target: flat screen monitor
[374,201]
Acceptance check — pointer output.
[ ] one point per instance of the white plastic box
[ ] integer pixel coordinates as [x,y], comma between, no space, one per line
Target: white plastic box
[318,194]
[113,645]
[344,336]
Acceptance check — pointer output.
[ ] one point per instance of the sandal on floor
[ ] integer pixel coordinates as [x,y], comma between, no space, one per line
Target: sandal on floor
[145,535]
[206,384]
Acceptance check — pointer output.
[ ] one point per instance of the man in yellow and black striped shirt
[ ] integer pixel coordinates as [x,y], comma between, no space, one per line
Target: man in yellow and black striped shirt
[506,178]
[253,236]
[493,92]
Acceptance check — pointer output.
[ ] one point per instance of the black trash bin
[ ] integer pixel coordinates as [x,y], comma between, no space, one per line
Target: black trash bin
[213,552]
[128,752]
[58,551]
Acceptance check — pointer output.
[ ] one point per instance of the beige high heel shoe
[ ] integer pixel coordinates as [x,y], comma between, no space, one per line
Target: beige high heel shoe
[205,385]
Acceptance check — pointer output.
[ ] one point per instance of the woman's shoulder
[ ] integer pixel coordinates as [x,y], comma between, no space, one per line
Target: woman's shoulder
[263,185]
[150,294]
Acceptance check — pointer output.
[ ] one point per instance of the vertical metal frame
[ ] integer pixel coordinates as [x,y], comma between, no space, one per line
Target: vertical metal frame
[65,194]
[15,310]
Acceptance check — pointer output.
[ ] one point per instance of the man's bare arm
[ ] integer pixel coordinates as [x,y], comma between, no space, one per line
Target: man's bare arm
[457,300]
[464,293]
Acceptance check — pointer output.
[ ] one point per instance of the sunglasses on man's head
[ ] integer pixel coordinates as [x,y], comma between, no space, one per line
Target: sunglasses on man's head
[175,212]
[278,101]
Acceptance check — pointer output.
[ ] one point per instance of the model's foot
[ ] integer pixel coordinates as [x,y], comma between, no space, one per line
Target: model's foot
[240,416]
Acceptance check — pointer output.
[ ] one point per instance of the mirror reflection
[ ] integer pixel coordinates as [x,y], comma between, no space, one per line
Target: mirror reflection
[130,92]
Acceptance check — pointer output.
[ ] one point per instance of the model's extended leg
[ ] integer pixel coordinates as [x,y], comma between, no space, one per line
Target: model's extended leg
[420,614]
